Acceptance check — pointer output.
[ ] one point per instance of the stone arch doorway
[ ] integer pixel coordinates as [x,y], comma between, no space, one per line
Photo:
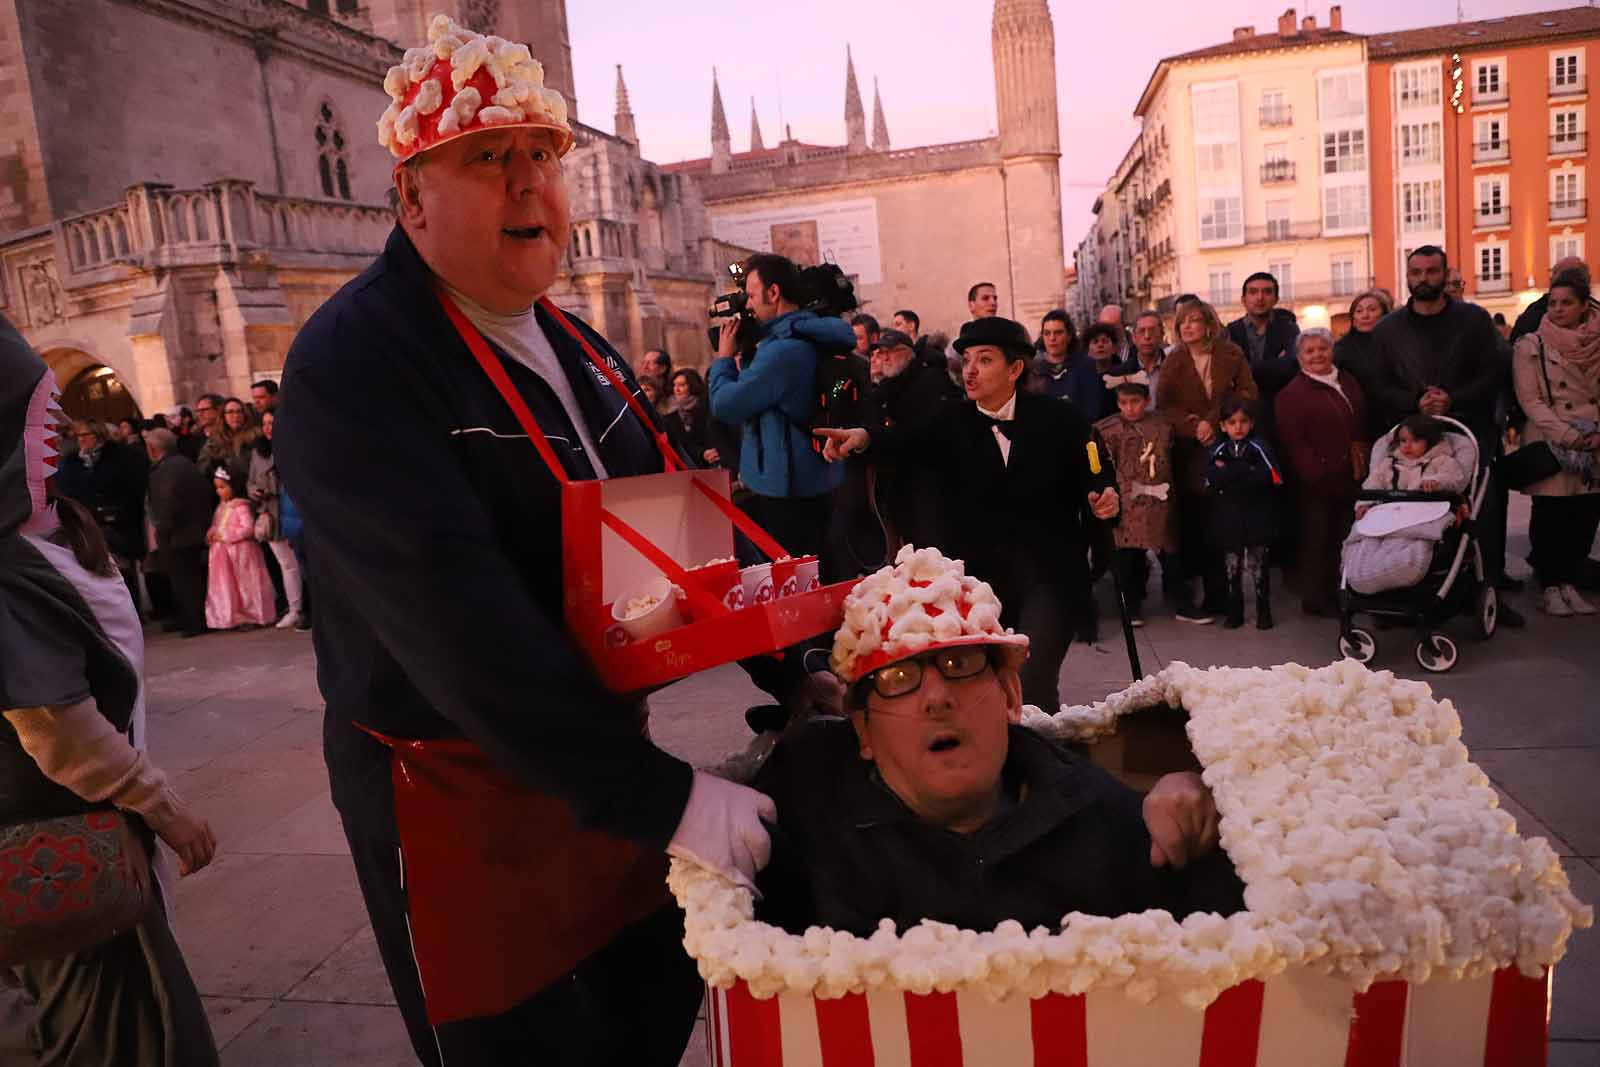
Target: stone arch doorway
[89,388]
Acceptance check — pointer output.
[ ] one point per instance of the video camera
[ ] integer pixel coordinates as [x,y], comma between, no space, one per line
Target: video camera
[825,288]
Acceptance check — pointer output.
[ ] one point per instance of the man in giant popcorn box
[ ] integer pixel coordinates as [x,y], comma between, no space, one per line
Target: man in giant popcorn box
[434,535]
[941,806]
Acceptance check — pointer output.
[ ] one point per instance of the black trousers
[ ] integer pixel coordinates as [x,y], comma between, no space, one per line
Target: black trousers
[632,1003]
[1195,551]
[1562,530]
[1133,573]
[186,568]
[1492,527]
[799,524]
[1325,517]
[1048,608]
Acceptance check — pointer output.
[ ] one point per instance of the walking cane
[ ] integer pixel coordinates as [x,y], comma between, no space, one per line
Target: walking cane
[1110,548]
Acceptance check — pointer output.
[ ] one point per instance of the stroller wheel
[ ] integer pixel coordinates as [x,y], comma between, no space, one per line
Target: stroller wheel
[1436,653]
[1486,610]
[1357,644]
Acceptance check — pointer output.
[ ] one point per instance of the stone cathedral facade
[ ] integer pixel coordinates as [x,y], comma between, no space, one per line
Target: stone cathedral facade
[915,227]
[181,187]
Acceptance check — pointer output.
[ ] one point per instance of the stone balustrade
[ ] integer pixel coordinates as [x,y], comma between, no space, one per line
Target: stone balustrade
[223,222]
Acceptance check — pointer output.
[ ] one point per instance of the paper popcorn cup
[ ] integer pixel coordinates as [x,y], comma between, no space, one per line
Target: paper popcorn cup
[648,610]
[784,581]
[807,574]
[757,584]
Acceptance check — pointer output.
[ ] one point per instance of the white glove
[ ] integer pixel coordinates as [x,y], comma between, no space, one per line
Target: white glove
[721,829]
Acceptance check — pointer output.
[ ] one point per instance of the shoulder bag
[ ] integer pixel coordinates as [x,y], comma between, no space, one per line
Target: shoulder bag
[1536,460]
[69,883]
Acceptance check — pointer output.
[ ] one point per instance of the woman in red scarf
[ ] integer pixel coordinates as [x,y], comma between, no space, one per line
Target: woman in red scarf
[1557,374]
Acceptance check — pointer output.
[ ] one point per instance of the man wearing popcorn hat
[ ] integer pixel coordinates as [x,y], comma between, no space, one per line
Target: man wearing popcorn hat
[434,537]
[940,806]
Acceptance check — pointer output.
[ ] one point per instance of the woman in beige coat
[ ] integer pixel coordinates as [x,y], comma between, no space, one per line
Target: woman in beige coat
[1557,375]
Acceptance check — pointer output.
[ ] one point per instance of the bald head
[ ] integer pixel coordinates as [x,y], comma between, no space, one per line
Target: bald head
[1111,315]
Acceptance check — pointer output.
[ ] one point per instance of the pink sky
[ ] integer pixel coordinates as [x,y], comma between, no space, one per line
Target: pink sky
[932,62]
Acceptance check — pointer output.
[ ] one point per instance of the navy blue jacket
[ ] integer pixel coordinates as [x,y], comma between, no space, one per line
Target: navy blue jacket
[1074,840]
[773,398]
[433,534]
[1278,363]
[1075,379]
[1243,477]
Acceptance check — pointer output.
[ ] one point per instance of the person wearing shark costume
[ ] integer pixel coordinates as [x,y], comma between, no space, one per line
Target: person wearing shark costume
[72,739]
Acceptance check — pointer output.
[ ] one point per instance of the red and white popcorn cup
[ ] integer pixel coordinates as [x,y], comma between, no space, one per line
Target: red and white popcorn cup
[807,574]
[721,580]
[784,581]
[758,588]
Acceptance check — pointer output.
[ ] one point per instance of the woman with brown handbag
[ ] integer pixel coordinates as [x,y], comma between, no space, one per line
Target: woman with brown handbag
[89,970]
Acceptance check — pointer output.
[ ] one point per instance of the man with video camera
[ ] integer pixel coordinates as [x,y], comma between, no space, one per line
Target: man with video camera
[765,379]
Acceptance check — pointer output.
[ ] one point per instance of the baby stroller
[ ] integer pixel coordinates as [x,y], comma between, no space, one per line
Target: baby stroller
[1452,580]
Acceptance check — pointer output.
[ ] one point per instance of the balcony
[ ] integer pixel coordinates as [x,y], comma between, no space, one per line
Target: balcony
[1277,171]
[1494,283]
[1497,95]
[1568,209]
[1490,151]
[1275,115]
[1492,215]
[1574,85]
[1282,230]
[1567,144]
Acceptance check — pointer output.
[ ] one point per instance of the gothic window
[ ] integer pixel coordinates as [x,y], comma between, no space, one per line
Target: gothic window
[480,15]
[332,167]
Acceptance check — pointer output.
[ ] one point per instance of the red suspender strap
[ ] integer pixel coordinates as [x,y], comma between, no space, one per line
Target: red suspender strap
[497,374]
[616,383]
[705,604]
[759,537]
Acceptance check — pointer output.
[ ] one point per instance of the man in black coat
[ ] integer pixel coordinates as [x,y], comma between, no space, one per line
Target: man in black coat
[434,536]
[181,502]
[1439,356]
[1016,473]
[907,391]
[1266,333]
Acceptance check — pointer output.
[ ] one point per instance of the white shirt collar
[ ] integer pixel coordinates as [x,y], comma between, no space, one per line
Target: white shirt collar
[1006,412]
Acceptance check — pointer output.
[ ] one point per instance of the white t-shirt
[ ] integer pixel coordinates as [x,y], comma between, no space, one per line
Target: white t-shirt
[523,340]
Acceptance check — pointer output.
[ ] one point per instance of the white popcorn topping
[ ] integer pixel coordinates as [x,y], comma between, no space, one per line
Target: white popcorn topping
[907,607]
[499,116]
[640,605]
[429,97]
[1369,844]
[519,94]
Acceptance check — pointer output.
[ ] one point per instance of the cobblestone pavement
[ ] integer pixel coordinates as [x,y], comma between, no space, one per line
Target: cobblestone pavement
[278,941]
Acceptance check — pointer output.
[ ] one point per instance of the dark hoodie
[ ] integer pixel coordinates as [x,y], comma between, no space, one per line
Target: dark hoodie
[52,649]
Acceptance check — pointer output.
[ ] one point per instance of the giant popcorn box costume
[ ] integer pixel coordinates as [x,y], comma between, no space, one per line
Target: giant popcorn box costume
[1394,916]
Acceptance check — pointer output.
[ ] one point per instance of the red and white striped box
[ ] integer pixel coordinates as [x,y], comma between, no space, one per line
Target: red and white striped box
[1296,1019]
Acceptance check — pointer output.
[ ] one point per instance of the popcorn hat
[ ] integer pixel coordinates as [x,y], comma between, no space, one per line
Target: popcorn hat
[461,82]
[923,602]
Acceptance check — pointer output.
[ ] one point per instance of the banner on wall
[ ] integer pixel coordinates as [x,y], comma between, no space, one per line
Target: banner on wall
[843,231]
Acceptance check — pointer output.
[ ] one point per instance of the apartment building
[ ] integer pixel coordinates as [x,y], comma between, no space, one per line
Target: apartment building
[1480,145]
[1254,156]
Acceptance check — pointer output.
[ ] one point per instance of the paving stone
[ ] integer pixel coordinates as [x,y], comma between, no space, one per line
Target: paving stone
[189,739]
[1556,784]
[256,926]
[1528,826]
[230,1015]
[1574,1054]
[311,829]
[1577,981]
[354,974]
[323,1035]
[247,790]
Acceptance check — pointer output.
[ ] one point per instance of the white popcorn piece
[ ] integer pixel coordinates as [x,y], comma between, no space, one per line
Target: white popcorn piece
[1369,844]
[465,61]
[405,125]
[429,97]
[419,61]
[466,104]
[499,116]
[396,81]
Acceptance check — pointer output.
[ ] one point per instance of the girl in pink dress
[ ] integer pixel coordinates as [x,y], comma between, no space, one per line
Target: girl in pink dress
[239,590]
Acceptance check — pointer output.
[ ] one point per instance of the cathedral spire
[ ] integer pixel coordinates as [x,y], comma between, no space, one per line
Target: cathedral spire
[624,122]
[855,120]
[880,128]
[756,144]
[721,142]
[1024,40]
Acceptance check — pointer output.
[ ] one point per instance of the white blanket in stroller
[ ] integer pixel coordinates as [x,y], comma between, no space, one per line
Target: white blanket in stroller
[1391,546]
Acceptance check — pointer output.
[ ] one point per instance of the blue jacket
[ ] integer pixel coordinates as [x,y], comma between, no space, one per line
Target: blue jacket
[1242,477]
[773,398]
[1077,380]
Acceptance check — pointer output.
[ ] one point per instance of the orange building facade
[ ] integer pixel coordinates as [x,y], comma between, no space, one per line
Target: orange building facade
[1480,144]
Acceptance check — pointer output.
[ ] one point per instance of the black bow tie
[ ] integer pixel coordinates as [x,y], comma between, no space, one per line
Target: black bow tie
[1004,426]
